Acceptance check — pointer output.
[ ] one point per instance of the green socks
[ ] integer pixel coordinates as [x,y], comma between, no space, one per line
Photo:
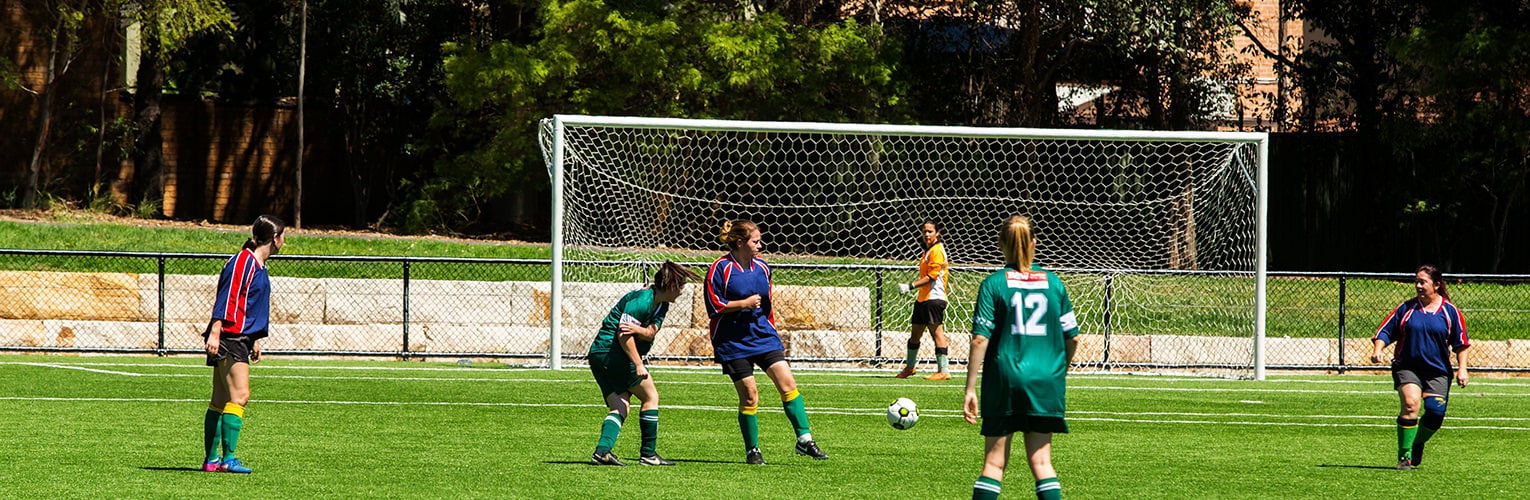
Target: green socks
[986,488]
[609,429]
[648,420]
[1048,489]
[231,421]
[212,435]
[1407,431]
[912,359]
[940,362]
[749,424]
[796,411]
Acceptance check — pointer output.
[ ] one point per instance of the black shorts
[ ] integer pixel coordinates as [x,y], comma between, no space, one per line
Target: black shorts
[240,348]
[929,312]
[742,368]
[1431,381]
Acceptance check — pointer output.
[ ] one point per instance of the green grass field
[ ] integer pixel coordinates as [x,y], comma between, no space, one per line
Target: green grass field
[131,427]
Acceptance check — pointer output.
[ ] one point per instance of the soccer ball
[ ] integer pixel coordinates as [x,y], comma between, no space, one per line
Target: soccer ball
[902,414]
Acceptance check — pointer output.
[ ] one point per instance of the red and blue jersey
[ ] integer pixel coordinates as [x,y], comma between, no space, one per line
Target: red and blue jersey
[747,332]
[244,297]
[1424,339]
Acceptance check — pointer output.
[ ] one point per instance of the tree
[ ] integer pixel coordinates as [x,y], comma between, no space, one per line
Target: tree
[62,21]
[688,59]
[166,25]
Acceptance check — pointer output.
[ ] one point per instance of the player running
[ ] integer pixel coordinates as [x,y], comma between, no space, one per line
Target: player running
[930,303]
[1023,337]
[743,330]
[616,360]
[241,317]
[1426,329]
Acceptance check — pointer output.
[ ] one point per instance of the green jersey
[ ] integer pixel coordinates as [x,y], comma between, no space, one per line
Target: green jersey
[1026,317]
[636,307]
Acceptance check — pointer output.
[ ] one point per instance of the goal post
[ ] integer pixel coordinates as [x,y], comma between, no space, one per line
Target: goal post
[1160,236]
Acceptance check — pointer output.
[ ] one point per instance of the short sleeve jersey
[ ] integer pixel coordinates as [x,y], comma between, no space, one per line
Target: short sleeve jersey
[1026,317]
[636,307]
[933,265]
[1424,339]
[743,333]
[244,297]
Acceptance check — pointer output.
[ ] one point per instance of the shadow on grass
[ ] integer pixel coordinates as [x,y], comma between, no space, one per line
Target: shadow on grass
[1346,466]
[174,469]
[633,462]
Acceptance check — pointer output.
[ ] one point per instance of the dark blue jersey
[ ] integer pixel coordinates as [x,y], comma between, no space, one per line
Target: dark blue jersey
[244,297]
[1424,339]
[747,332]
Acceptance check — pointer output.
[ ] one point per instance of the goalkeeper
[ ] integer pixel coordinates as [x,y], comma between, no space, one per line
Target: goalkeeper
[930,303]
[616,359]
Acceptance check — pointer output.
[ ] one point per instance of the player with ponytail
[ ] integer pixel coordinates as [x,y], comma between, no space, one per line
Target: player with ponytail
[240,318]
[1424,330]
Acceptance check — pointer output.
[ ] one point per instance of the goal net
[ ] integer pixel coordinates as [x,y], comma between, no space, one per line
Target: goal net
[1158,235]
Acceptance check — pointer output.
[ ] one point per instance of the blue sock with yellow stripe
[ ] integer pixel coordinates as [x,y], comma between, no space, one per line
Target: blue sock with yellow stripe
[609,430]
[749,425]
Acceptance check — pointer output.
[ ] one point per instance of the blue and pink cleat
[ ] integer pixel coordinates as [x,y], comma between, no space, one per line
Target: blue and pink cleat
[231,464]
[211,465]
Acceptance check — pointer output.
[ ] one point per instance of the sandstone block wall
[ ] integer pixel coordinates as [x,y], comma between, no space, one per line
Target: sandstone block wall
[122,311]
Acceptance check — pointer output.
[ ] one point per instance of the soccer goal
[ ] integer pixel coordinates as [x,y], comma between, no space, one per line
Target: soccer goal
[1160,236]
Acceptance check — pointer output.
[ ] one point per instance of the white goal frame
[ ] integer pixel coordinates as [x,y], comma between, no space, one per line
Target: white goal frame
[552,140]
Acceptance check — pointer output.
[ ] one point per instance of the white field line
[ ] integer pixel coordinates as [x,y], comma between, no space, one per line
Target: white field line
[1119,417]
[1252,390]
[1478,381]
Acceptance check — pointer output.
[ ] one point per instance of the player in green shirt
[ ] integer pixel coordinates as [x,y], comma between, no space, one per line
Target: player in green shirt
[1023,337]
[616,359]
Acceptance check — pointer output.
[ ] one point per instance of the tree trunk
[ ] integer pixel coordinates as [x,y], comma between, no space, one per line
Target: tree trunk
[147,175]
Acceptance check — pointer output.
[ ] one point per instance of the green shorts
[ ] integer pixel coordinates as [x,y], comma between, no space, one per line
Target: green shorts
[614,373]
[1005,425]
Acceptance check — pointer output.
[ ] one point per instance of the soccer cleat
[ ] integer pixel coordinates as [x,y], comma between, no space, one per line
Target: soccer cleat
[1404,464]
[233,465]
[810,448]
[655,460]
[211,465]
[938,376]
[753,457]
[906,373]
[1417,455]
[606,458]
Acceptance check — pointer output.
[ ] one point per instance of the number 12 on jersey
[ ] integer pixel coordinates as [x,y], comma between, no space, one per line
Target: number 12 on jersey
[1030,313]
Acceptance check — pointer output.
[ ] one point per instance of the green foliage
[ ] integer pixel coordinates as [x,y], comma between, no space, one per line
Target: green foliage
[602,59]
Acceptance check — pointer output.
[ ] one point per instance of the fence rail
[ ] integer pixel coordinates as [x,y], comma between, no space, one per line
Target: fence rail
[830,314]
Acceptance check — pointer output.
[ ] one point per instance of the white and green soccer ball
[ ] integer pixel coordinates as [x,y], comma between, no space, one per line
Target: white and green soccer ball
[902,414]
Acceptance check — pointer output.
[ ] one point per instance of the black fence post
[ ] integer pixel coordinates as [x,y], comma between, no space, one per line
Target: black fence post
[1105,345]
[1342,296]
[405,352]
[878,317]
[161,305]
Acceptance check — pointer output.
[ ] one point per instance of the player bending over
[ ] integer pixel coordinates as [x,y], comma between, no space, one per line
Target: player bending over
[616,359]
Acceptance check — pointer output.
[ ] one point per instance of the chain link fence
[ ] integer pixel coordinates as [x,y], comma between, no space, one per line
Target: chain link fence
[830,315]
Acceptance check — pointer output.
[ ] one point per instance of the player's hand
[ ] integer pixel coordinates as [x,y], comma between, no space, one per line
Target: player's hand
[1461,377]
[255,355]
[1376,357]
[970,407]
[212,345]
[642,371]
[627,328]
[903,287]
[752,302]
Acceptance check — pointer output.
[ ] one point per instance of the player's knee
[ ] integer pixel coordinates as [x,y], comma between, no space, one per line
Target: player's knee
[240,398]
[1434,412]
